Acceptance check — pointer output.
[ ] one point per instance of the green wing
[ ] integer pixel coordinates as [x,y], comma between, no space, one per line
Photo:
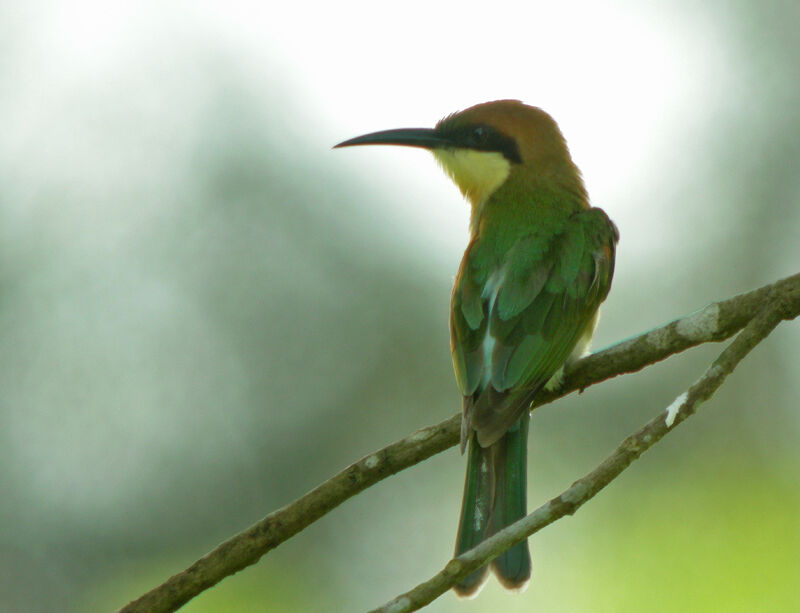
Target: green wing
[514,324]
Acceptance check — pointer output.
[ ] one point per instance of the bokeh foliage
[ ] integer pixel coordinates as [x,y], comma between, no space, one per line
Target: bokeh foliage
[204,313]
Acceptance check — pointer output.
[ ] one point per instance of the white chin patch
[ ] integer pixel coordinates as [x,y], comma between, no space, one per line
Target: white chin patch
[477,173]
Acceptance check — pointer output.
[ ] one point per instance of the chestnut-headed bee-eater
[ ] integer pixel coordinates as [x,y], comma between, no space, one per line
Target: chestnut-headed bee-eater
[525,302]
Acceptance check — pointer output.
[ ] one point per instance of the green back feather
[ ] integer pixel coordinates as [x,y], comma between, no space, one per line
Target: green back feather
[555,271]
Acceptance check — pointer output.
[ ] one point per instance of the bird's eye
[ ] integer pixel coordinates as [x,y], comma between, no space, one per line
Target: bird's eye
[479,135]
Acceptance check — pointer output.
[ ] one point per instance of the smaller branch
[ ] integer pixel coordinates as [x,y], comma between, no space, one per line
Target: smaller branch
[587,487]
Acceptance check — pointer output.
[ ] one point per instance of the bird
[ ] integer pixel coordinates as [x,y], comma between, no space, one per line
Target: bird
[525,302]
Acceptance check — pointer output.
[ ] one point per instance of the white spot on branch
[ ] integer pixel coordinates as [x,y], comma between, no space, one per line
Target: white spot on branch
[700,325]
[420,435]
[674,409]
[401,604]
[658,338]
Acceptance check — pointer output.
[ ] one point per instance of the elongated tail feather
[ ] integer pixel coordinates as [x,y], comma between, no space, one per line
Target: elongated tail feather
[475,509]
[494,497]
[509,463]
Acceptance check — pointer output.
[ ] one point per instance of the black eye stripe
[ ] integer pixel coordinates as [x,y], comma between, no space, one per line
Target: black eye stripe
[483,138]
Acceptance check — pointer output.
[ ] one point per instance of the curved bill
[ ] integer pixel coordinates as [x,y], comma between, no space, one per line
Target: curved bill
[426,138]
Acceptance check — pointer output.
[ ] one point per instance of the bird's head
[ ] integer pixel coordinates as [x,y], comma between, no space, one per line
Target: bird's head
[484,145]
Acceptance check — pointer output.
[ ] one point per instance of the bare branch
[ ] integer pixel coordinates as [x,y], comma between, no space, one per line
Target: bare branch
[716,322]
[585,488]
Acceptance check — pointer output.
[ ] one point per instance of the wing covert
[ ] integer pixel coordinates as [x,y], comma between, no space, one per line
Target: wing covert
[547,298]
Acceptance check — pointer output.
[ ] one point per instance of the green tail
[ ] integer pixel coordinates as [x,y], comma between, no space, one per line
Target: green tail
[513,566]
[475,509]
[494,497]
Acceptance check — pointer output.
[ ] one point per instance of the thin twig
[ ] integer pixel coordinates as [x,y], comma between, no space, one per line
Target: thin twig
[585,488]
[716,322]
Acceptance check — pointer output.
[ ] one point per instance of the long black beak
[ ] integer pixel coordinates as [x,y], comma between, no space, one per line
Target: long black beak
[426,138]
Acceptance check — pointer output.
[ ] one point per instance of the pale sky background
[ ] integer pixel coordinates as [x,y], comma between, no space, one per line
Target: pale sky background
[622,80]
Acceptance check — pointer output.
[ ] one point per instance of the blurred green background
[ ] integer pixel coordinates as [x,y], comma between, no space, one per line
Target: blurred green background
[204,311]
